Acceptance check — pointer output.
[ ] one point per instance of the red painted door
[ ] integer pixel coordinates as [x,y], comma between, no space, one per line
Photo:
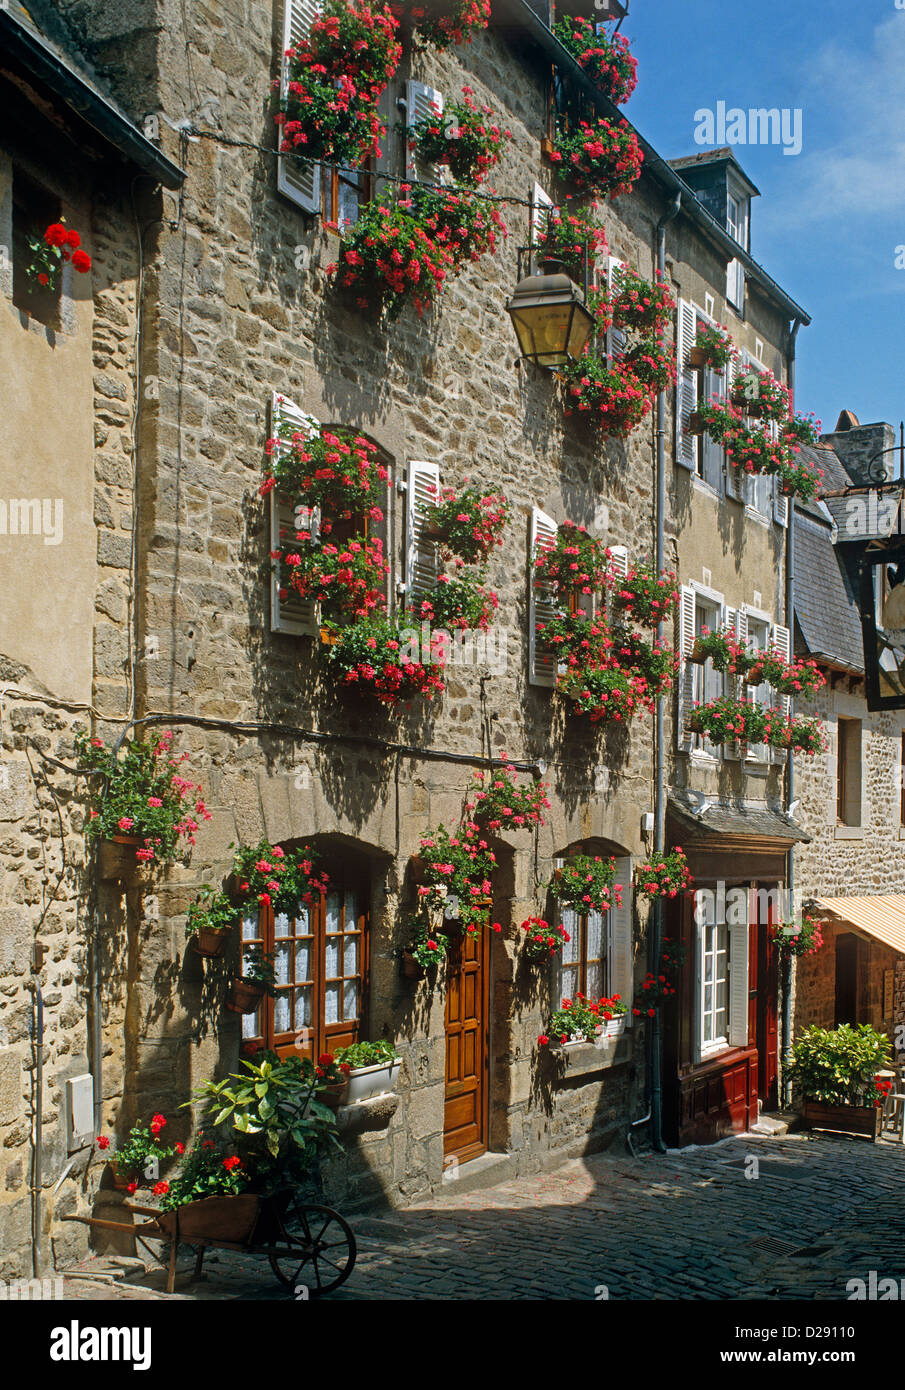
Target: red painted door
[767,1021]
[465,1114]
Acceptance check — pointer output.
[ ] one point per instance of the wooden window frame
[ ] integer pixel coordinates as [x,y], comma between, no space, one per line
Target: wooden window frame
[323,1036]
[583,960]
[331,177]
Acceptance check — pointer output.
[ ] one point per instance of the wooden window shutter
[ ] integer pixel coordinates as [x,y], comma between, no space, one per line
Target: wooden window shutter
[420,101]
[422,559]
[542,204]
[686,385]
[541,605]
[616,338]
[621,946]
[291,614]
[685,679]
[738,985]
[297,180]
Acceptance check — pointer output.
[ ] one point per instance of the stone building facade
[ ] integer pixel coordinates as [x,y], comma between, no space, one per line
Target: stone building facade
[210,297]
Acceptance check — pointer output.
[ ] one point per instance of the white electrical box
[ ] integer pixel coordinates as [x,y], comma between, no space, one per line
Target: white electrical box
[647,823]
[79,1111]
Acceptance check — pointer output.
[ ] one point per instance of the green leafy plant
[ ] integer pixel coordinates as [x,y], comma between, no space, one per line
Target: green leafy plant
[838,1065]
[463,863]
[656,662]
[51,251]
[257,969]
[459,602]
[212,910]
[576,562]
[761,389]
[604,158]
[261,1129]
[603,693]
[429,944]
[445,22]
[366,1054]
[797,677]
[142,795]
[576,1018]
[803,429]
[800,734]
[571,230]
[347,577]
[586,882]
[716,345]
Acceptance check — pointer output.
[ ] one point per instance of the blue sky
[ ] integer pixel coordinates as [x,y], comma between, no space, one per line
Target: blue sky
[828,220]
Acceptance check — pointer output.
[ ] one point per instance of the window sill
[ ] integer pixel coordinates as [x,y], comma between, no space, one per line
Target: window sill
[588,1059]
[848,832]
[701,485]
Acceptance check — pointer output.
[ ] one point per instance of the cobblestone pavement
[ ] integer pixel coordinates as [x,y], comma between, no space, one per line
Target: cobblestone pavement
[687,1225]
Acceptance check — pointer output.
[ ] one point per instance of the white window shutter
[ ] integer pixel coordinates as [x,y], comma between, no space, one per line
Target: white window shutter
[542,204]
[291,614]
[780,505]
[617,338]
[298,180]
[736,480]
[700,936]
[686,384]
[619,559]
[541,605]
[422,559]
[781,639]
[420,101]
[738,985]
[736,619]
[622,955]
[685,678]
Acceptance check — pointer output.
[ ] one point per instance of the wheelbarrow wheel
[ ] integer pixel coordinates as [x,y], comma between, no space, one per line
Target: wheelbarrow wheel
[319,1251]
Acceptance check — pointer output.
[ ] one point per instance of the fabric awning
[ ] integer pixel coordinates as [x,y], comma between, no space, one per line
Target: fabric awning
[883,918]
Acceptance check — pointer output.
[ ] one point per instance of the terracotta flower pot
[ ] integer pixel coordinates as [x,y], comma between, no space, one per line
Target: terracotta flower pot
[244,996]
[754,677]
[698,653]
[411,969]
[755,408]
[136,840]
[208,942]
[334,1095]
[697,357]
[122,1177]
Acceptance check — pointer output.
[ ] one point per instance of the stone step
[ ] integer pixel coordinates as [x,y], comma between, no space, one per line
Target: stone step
[771,1125]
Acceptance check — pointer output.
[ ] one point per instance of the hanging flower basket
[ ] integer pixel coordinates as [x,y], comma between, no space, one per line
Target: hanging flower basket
[210,941]
[604,158]
[245,996]
[755,676]
[411,970]
[697,357]
[695,423]
[606,58]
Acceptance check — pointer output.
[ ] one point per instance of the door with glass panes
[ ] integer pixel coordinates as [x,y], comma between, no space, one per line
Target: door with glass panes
[320,953]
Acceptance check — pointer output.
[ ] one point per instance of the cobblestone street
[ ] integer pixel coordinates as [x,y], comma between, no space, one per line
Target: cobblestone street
[689,1225]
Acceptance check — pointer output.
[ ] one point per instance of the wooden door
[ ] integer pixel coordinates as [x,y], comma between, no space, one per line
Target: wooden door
[467,1046]
[846,979]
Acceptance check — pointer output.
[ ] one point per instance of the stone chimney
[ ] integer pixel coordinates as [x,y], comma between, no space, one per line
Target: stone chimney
[859,445]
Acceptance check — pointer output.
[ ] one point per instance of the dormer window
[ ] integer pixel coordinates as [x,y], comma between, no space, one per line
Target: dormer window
[737,225]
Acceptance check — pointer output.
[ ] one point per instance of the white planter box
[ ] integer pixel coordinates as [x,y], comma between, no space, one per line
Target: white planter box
[614,1029]
[365,1082]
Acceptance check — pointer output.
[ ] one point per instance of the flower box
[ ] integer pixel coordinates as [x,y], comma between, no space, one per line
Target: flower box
[377,1080]
[614,1028]
[751,406]
[843,1119]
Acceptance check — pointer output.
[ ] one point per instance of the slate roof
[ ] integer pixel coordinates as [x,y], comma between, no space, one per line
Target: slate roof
[725,819]
[35,41]
[826,611]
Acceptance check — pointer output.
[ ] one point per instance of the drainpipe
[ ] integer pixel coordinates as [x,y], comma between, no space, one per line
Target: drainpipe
[37,1167]
[790,762]
[656,931]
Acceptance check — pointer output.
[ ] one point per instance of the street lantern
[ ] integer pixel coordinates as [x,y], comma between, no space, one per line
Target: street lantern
[551,320]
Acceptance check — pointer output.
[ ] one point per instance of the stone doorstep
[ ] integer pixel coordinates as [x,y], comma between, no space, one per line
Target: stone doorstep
[774,1126]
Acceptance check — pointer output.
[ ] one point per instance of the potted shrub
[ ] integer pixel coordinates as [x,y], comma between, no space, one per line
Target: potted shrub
[499,803]
[543,939]
[712,348]
[134,1163]
[209,921]
[373,1069]
[576,1021]
[604,158]
[469,522]
[257,979]
[606,58]
[585,882]
[261,1130]
[429,947]
[463,137]
[332,1080]
[664,875]
[143,800]
[571,233]
[575,563]
[835,1070]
